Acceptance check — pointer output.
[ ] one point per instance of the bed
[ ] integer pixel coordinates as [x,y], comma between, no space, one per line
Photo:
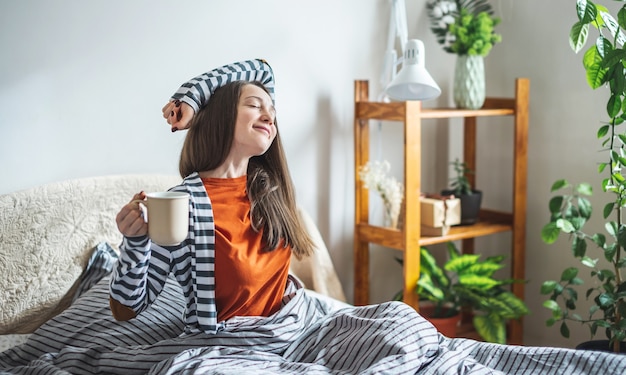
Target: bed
[58,245]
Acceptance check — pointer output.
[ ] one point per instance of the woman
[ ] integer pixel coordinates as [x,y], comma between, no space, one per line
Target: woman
[233,266]
[244,222]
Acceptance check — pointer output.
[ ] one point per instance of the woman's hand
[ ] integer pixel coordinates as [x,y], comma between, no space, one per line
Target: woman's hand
[178,114]
[130,220]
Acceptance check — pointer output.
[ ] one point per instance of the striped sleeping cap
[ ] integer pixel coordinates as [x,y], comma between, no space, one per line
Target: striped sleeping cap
[197,91]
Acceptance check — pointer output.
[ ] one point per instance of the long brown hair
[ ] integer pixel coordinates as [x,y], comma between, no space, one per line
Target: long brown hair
[269,186]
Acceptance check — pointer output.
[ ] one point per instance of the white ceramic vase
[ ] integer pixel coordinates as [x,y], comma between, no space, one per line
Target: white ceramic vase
[469,82]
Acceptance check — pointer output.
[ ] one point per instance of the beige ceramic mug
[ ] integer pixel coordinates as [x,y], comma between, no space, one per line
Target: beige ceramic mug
[167,217]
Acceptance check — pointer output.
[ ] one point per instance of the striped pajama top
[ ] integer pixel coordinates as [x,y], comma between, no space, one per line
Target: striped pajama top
[143,266]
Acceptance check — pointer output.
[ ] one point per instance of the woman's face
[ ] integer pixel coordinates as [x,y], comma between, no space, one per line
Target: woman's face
[254,129]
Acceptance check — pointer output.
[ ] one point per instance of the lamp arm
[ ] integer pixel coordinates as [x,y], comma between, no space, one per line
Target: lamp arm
[397,28]
[402,32]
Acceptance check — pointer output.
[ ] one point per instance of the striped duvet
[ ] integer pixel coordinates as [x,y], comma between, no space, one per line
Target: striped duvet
[307,336]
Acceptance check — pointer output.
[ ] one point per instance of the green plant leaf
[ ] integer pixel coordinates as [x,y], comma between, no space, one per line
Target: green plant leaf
[586,11]
[453,252]
[621,18]
[578,222]
[577,317]
[592,58]
[603,324]
[564,330]
[609,253]
[570,304]
[508,306]
[552,306]
[565,225]
[595,74]
[579,247]
[605,300]
[618,176]
[584,208]
[613,106]
[603,45]
[462,262]
[548,286]
[608,209]
[610,23]
[569,273]
[429,267]
[599,239]
[478,282]
[611,227]
[550,233]
[608,274]
[559,184]
[591,263]
[602,131]
[621,236]
[555,204]
[584,189]
[428,289]
[490,328]
[578,36]
[483,269]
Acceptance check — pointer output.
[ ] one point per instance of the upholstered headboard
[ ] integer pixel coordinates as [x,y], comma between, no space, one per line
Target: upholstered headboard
[47,234]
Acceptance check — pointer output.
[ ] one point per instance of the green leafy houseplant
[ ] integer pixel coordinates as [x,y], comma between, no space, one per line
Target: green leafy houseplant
[460,187]
[465,281]
[604,64]
[460,183]
[464,27]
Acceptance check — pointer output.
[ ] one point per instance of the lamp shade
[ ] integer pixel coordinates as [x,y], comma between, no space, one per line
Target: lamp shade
[413,82]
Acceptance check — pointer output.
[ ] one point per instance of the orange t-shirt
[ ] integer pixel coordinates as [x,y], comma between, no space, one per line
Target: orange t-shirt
[248,281]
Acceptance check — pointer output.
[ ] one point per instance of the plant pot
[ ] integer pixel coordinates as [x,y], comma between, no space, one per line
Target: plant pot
[470,205]
[446,326]
[469,82]
[601,346]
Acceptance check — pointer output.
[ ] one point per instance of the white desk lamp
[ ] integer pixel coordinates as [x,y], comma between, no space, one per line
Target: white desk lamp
[413,82]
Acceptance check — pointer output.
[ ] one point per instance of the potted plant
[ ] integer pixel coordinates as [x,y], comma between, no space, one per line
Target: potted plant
[465,282]
[467,29]
[460,187]
[570,209]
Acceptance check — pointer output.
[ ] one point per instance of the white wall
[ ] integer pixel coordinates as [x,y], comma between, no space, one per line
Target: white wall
[82,85]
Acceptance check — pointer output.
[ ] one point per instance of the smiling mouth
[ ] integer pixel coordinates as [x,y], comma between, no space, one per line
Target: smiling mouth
[263,128]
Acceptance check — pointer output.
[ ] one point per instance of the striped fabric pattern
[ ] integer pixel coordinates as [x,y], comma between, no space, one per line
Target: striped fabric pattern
[197,91]
[144,266]
[305,336]
[101,262]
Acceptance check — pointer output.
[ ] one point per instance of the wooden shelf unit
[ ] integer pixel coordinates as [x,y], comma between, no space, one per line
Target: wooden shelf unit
[409,240]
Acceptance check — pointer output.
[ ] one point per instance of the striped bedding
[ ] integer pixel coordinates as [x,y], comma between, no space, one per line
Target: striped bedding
[308,335]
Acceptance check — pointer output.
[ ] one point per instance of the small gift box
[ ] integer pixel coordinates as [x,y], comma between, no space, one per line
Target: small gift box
[438,213]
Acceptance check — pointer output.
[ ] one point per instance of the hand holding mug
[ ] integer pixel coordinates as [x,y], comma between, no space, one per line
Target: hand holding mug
[130,221]
[167,217]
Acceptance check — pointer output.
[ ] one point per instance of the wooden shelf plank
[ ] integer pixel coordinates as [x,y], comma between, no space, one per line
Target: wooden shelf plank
[392,238]
[394,111]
